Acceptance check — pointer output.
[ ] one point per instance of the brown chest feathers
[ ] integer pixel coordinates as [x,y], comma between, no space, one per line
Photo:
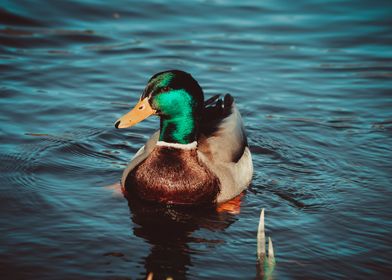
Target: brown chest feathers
[173,176]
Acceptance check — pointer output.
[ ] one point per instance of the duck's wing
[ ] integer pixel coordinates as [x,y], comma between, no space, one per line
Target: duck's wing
[222,132]
[223,147]
[141,155]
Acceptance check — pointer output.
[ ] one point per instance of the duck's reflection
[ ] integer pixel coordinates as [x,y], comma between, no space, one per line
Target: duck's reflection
[170,230]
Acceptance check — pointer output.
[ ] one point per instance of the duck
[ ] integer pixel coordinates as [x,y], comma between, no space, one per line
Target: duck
[200,154]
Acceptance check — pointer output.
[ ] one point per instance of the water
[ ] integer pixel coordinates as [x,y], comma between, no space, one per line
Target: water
[312,80]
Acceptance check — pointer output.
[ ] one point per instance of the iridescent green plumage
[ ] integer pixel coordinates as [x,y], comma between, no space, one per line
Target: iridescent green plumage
[178,100]
[162,80]
[177,115]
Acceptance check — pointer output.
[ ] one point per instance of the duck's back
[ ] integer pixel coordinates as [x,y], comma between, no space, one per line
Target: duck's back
[223,147]
[173,176]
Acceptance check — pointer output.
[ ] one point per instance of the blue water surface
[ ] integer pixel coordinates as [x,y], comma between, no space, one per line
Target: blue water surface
[312,79]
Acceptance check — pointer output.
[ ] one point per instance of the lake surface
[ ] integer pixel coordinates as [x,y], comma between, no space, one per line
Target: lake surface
[312,79]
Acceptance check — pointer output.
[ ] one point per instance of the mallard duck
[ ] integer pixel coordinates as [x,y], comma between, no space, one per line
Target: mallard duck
[199,155]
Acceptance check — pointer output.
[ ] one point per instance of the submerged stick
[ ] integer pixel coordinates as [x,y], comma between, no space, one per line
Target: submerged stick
[271,255]
[261,238]
[266,264]
[151,275]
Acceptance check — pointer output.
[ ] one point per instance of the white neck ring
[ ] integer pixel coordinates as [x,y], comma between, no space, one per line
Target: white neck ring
[189,146]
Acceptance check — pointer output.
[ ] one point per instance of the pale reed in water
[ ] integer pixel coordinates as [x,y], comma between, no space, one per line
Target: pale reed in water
[266,265]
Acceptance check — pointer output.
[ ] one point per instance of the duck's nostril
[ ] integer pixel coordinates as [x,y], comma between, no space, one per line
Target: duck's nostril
[117,124]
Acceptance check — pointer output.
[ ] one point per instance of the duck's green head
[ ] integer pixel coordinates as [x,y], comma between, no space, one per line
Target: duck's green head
[177,98]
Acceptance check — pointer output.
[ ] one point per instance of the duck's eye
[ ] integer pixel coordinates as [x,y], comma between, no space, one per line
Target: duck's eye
[165,89]
[141,107]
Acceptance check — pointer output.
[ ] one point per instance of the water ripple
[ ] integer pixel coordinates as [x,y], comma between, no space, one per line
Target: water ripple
[312,82]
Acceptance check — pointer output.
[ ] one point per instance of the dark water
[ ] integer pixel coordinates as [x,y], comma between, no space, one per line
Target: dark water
[313,80]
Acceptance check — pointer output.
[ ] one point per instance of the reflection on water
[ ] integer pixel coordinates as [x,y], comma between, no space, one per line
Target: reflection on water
[312,80]
[170,230]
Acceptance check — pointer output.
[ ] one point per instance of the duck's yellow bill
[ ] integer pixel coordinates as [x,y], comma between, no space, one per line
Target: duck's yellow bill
[141,111]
